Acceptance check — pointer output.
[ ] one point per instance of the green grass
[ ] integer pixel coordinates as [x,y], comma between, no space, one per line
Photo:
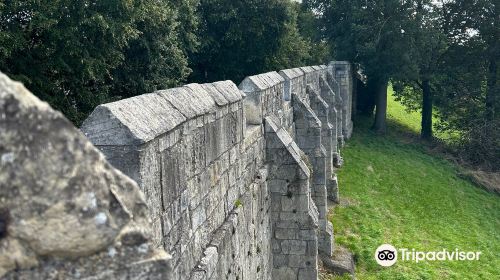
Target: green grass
[394,192]
[395,111]
[411,120]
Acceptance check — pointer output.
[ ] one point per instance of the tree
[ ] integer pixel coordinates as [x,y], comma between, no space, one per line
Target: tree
[158,57]
[373,34]
[63,50]
[310,28]
[429,45]
[469,92]
[246,37]
[293,49]
[78,54]
[456,44]
[477,23]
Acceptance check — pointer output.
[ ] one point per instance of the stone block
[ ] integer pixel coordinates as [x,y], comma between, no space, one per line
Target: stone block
[285,234]
[293,80]
[84,206]
[198,217]
[187,102]
[284,273]
[291,203]
[308,274]
[131,121]
[293,247]
[297,261]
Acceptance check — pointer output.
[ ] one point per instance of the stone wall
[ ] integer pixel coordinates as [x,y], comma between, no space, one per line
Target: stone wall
[65,212]
[344,77]
[235,179]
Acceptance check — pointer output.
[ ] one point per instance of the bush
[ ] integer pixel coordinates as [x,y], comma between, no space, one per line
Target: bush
[480,144]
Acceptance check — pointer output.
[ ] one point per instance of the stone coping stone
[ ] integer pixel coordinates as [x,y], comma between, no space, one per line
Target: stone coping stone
[307,69]
[291,73]
[140,119]
[187,102]
[131,121]
[261,82]
[230,91]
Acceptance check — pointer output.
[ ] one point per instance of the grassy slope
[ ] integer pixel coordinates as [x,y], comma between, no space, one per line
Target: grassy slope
[411,121]
[396,193]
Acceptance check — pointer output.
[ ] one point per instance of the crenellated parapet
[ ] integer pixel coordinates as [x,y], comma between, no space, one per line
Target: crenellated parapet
[212,181]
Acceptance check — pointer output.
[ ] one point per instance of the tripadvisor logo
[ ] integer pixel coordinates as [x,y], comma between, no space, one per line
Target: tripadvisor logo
[387,255]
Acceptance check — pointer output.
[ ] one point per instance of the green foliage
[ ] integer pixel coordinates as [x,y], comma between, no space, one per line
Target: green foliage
[293,49]
[457,50]
[158,57]
[410,117]
[407,115]
[247,37]
[428,45]
[63,50]
[452,50]
[372,33]
[479,144]
[78,54]
[310,27]
[438,54]
[417,202]
[470,88]
[237,37]
[375,34]
[409,94]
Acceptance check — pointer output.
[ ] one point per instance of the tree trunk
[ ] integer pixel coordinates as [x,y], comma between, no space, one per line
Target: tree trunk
[491,90]
[380,124]
[426,132]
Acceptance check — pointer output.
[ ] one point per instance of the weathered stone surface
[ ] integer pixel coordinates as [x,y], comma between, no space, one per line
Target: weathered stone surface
[332,187]
[294,82]
[343,75]
[264,96]
[309,139]
[60,200]
[338,105]
[114,263]
[341,263]
[329,97]
[132,121]
[261,82]
[218,96]
[311,76]
[307,69]
[226,200]
[292,213]
[189,104]
[229,90]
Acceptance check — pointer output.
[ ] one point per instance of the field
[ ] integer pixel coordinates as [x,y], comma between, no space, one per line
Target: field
[394,191]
